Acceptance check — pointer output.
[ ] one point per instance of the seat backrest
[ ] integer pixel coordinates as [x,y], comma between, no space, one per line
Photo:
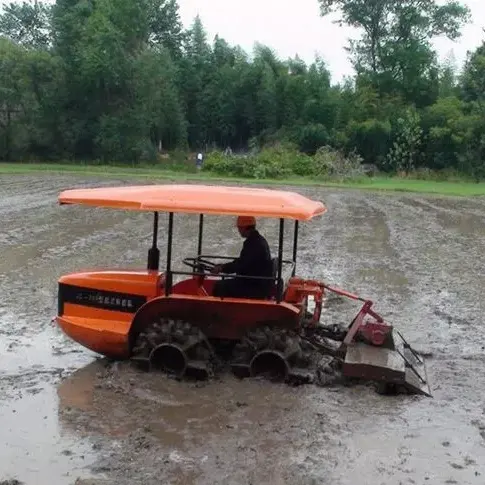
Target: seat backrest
[286,274]
[284,278]
[275,266]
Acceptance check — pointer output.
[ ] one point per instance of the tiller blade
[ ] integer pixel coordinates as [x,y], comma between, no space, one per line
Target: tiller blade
[399,367]
[373,350]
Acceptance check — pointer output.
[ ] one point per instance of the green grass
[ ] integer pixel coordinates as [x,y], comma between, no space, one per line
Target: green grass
[451,188]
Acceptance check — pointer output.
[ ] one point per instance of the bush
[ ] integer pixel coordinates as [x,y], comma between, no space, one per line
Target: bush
[284,160]
[331,163]
[405,152]
[221,164]
[272,162]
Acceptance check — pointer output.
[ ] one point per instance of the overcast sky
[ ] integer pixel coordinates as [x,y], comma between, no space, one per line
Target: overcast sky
[295,27]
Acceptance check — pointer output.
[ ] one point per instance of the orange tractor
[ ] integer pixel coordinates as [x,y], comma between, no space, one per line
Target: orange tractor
[180,328]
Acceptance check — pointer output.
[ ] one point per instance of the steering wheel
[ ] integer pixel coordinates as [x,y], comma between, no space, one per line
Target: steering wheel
[199,264]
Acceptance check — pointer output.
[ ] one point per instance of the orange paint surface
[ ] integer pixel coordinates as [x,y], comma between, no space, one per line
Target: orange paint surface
[144,282]
[228,318]
[109,332]
[106,337]
[104,330]
[199,199]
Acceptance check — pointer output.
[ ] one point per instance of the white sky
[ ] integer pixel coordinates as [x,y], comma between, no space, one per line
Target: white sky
[291,28]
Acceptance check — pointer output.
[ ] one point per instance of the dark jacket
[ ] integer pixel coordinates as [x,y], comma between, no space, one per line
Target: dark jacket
[254,260]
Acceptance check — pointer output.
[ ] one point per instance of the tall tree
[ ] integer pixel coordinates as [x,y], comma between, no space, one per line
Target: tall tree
[473,92]
[27,23]
[13,102]
[394,50]
[473,78]
[194,76]
[104,47]
[165,26]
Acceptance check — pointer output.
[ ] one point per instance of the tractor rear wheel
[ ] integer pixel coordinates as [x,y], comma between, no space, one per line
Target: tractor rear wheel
[175,347]
[275,353]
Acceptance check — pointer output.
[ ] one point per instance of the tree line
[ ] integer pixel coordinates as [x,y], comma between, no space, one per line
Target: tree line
[122,80]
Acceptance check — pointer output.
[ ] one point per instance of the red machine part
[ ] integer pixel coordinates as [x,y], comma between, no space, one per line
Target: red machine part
[300,289]
[375,332]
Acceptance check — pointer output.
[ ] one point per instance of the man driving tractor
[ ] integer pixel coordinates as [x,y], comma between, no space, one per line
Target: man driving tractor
[254,260]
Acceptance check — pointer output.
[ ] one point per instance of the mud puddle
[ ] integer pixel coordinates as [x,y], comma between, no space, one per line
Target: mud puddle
[66,414]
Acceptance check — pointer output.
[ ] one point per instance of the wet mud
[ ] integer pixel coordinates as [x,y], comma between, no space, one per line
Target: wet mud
[68,416]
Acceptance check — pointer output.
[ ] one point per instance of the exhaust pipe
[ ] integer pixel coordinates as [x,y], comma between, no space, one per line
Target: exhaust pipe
[270,364]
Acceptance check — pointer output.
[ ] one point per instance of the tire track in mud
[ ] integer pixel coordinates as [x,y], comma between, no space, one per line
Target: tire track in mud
[441,278]
[404,252]
[45,246]
[406,236]
[34,355]
[427,249]
[249,435]
[24,193]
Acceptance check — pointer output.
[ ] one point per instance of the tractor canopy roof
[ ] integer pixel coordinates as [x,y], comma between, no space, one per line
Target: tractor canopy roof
[199,199]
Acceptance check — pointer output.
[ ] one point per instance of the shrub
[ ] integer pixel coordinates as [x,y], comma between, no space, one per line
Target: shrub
[284,160]
[331,163]
[277,161]
[405,151]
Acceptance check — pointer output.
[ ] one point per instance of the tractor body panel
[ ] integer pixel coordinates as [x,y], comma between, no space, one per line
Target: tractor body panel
[194,286]
[107,337]
[96,308]
[228,318]
[105,310]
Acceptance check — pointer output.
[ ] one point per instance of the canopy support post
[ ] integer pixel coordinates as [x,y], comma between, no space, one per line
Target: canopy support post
[295,247]
[201,230]
[279,286]
[168,272]
[153,263]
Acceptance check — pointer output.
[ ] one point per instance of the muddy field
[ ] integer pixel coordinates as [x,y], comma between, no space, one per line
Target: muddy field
[67,416]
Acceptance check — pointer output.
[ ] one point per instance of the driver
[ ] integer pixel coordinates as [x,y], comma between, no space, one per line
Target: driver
[254,260]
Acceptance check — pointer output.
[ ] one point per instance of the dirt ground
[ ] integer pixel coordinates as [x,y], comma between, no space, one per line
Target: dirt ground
[69,417]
